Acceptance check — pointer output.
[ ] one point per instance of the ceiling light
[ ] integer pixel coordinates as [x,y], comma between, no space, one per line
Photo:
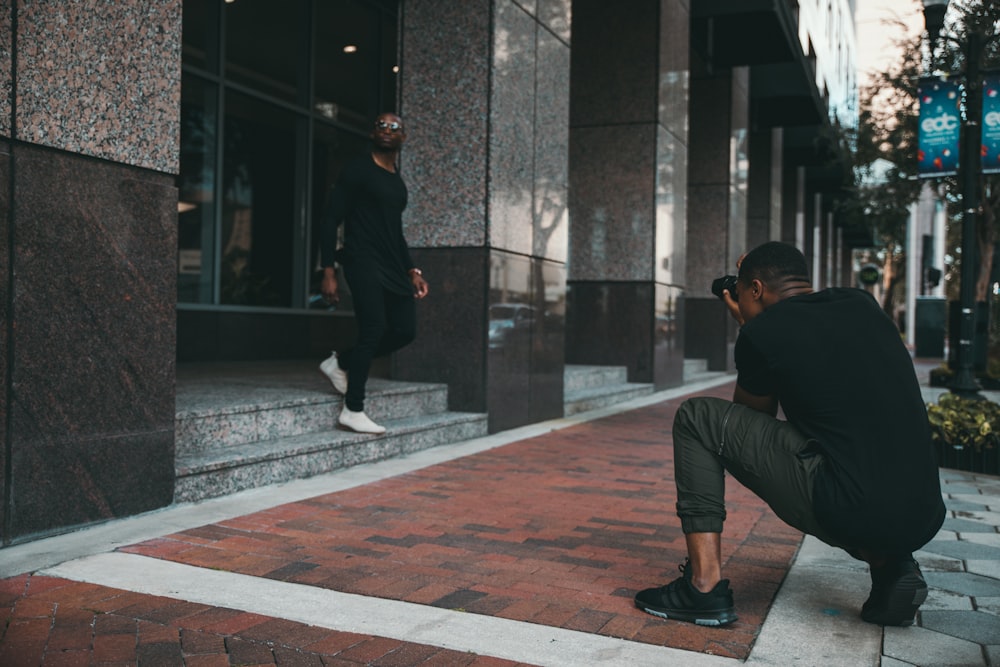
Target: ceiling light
[350,48]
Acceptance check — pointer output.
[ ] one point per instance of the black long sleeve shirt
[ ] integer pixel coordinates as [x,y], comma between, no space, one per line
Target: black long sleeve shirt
[369,201]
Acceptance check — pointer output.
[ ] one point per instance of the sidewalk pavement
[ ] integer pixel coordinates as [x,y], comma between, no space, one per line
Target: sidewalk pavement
[520,548]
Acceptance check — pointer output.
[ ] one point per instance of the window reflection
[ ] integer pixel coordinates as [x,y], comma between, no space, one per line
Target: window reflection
[253,178]
[264,46]
[332,149]
[258,210]
[196,196]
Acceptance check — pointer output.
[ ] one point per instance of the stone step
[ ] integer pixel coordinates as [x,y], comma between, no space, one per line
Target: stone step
[580,377]
[228,415]
[592,398]
[696,370]
[235,468]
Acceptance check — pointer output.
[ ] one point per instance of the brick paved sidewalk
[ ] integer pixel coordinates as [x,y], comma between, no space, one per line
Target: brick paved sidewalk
[559,530]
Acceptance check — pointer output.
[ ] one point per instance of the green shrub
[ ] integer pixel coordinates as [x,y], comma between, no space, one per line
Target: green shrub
[965,423]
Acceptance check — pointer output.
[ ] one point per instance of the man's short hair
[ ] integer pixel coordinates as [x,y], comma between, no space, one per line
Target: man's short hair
[774,262]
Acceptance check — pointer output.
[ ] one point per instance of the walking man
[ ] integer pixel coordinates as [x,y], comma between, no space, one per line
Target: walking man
[853,464]
[369,199]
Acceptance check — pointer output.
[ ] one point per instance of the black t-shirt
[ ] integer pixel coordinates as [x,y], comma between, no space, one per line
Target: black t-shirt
[843,377]
[369,201]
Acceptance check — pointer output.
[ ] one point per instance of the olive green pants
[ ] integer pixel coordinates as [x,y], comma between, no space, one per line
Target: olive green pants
[767,455]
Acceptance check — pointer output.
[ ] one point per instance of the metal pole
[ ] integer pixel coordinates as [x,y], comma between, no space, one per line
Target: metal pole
[964,383]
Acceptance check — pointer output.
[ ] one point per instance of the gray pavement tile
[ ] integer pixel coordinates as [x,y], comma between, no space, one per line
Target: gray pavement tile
[964,583]
[956,505]
[963,549]
[988,605]
[971,626]
[961,489]
[926,648]
[942,600]
[963,525]
[986,568]
[993,655]
[892,662]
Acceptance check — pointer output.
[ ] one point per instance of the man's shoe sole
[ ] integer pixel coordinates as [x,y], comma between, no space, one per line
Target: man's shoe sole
[718,619]
[901,606]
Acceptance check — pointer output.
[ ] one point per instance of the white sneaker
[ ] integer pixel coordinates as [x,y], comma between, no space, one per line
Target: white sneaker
[334,373]
[358,422]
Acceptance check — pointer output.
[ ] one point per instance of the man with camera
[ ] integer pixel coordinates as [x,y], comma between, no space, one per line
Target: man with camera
[853,464]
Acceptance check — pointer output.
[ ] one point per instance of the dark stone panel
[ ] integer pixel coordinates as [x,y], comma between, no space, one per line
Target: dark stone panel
[62,482]
[548,346]
[451,326]
[512,316]
[4,323]
[668,337]
[612,324]
[93,340]
[709,333]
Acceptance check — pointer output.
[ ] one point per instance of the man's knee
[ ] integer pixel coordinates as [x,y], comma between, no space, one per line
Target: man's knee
[693,414]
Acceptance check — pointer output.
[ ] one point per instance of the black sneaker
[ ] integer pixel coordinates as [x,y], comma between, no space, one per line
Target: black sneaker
[681,601]
[898,590]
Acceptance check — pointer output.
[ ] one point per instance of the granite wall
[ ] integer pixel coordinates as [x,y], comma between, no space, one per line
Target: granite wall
[628,187]
[89,214]
[717,206]
[485,91]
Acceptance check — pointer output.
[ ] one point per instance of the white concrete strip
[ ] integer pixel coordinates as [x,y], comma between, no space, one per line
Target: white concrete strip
[484,635]
[100,538]
[815,617]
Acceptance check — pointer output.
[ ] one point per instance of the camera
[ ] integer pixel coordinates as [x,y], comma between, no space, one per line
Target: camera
[724,283]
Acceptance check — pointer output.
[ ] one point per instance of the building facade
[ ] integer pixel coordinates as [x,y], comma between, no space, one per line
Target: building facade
[590,165]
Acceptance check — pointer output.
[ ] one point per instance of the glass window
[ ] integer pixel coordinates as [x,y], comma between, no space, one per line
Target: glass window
[200,34]
[258,203]
[348,56]
[266,47]
[196,191]
[332,148]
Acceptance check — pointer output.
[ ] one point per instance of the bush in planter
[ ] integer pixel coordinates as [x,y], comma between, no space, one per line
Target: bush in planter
[967,432]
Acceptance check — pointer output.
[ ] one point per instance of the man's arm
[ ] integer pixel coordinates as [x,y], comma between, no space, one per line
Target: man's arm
[766,404]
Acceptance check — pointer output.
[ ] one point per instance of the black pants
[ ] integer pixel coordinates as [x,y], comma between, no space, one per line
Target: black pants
[387,321]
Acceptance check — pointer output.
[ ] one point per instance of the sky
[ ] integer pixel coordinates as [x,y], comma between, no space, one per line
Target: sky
[874,38]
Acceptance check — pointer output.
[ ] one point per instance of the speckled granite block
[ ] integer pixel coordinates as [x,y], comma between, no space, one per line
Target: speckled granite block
[556,16]
[612,235]
[271,462]
[670,258]
[92,356]
[4,314]
[5,69]
[101,79]
[296,411]
[551,215]
[445,81]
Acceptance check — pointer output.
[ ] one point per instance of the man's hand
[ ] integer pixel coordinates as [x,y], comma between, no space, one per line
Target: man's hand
[420,287]
[328,287]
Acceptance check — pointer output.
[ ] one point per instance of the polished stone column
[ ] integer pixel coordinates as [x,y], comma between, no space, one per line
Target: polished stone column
[717,207]
[89,222]
[628,187]
[764,187]
[485,91]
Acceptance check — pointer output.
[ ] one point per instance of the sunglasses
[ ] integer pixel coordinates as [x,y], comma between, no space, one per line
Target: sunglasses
[392,127]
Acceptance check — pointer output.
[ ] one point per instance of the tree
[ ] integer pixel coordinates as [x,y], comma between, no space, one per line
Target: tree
[886,146]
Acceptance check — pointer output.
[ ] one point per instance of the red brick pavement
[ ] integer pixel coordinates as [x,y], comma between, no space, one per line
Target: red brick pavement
[560,529]
[59,623]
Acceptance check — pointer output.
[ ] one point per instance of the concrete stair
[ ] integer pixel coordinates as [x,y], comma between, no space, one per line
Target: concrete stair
[244,425]
[591,387]
[696,370]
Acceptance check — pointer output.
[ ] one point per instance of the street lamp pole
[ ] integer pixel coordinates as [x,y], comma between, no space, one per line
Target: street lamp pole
[970,173]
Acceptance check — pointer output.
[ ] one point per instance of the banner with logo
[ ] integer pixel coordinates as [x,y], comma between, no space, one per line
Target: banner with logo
[991,125]
[937,154]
